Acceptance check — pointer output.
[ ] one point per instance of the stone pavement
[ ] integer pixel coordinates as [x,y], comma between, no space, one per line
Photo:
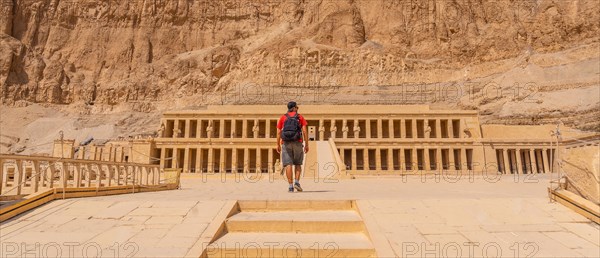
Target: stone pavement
[406,216]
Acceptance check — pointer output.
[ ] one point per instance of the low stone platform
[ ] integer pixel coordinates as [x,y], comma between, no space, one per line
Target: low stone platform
[408,216]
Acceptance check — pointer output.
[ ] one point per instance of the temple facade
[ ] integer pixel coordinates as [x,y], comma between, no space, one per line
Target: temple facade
[367,139]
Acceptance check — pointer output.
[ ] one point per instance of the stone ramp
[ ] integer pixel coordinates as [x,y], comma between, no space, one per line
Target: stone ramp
[294,229]
[319,162]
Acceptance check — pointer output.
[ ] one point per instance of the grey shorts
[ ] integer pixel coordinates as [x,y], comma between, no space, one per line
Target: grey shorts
[292,153]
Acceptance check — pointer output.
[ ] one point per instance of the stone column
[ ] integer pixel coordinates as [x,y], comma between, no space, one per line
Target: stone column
[234,160]
[367,163]
[321,130]
[209,168]
[391,133]
[222,128]
[245,128]
[390,159]
[506,161]
[438,128]
[379,128]
[258,161]
[403,128]
[188,128]
[270,162]
[198,161]
[519,162]
[439,161]
[368,128]
[415,160]
[546,161]
[333,129]
[532,161]
[451,129]
[199,128]
[268,128]
[162,158]
[255,129]
[222,168]
[464,159]
[175,159]
[175,128]
[353,159]
[341,151]
[378,159]
[460,134]
[451,163]
[426,129]
[426,159]
[414,128]
[186,160]
[345,129]
[247,160]
[356,129]
[402,160]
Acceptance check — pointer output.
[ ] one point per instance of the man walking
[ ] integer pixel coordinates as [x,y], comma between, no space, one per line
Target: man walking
[291,131]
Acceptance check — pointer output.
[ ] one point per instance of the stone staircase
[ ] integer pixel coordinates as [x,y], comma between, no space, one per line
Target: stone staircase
[293,229]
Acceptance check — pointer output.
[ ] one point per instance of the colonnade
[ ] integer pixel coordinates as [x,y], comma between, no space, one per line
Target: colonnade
[324,128]
[525,160]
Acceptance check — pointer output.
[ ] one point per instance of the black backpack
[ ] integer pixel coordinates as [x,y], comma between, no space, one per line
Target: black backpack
[292,131]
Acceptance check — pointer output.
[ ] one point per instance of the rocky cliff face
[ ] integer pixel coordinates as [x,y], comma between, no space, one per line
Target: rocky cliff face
[509,59]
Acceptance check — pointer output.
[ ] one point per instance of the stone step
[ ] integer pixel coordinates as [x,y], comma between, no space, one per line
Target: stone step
[296,205]
[296,221]
[291,245]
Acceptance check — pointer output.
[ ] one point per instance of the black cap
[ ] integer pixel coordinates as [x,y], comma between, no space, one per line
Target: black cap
[291,104]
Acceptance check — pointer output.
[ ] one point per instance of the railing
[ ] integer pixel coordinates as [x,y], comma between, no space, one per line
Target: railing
[27,182]
[21,175]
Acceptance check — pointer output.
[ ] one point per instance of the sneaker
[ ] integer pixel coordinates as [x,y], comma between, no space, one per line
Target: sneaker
[291,189]
[298,187]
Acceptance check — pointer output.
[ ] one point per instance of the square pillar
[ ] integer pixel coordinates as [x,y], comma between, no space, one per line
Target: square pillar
[222,161]
[247,160]
[188,128]
[198,164]
[353,159]
[245,128]
[210,161]
[345,129]
[222,128]
[234,160]
[439,161]
[268,128]
[270,161]
[414,128]
[176,128]
[451,129]
[186,160]
[438,128]
[391,133]
[258,162]
[506,161]
[403,128]
[546,161]
[379,128]
[199,128]
[532,161]
[368,128]
[451,163]
[390,159]
[415,160]
[378,159]
[162,158]
[175,160]
[464,160]
[332,129]
[401,160]
[519,162]
[426,160]
[367,164]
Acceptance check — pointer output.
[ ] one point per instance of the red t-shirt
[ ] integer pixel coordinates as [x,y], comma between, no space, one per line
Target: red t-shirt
[291,114]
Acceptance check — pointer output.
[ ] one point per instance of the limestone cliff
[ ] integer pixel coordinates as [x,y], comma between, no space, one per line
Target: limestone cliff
[519,62]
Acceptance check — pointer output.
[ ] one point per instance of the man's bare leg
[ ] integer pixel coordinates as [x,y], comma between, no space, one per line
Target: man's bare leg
[288,172]
[298,169]
[298,172]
